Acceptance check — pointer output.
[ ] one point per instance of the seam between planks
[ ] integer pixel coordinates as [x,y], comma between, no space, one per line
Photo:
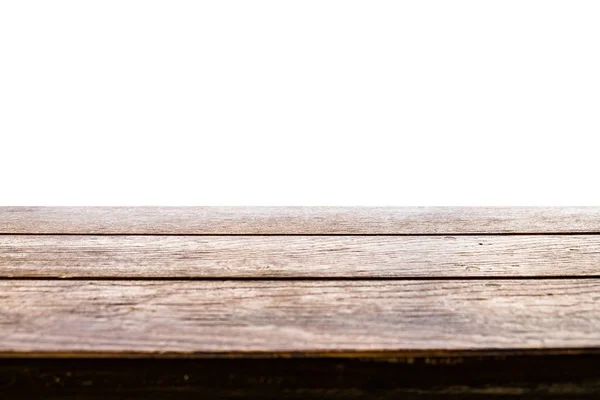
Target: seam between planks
[298,278]
[577,233]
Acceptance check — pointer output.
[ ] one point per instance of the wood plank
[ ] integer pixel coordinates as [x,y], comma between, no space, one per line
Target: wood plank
[298,220]
[66,318]
[298,256]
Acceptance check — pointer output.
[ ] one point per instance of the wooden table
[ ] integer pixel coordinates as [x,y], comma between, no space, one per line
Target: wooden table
[267,302]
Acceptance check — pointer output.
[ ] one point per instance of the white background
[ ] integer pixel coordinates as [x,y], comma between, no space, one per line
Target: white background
[299,102]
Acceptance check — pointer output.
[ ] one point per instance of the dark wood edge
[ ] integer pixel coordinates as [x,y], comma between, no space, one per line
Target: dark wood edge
[397,355]
[481,376]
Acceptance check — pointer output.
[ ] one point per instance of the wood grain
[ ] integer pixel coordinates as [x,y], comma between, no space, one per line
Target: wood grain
[299,302]
[79,317]
[298,256]
[298,220]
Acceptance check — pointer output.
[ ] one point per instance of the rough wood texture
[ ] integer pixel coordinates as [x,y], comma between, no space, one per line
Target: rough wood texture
[363,303]
[61,317]
[298,256]
[297,220]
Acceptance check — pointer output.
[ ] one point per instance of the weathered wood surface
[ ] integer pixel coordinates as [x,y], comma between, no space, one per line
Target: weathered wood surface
[127,317]
[298,220]
[299,302]
[298,256]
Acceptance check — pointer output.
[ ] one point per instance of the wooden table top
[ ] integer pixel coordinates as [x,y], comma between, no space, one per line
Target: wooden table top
[300,302]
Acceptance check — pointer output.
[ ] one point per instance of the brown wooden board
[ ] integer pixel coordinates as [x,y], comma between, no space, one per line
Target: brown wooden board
[298,256]
[299,220]
[157,317]
[298,302]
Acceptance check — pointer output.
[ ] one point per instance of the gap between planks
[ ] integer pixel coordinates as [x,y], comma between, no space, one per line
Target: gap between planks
[558,233]
[295,279]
